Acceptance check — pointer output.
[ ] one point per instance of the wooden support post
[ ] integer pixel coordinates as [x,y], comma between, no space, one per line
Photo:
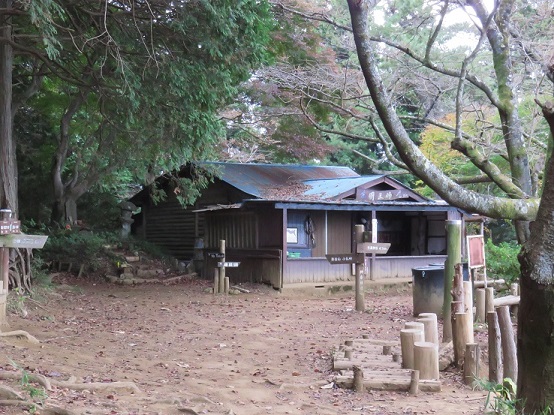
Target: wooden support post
[358,379]
[480,312]
[407,339]
[489,299]
[426,360]
[459,334]
[216,281]
[454,251]
[358,238]
[509,352]
[471,363]
[221,288]
[496,371]
[457,286]
[414,382]
[387,350]
[226,285]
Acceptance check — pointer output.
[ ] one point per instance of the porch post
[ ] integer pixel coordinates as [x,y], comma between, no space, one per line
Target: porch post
[360,270]
[373,240]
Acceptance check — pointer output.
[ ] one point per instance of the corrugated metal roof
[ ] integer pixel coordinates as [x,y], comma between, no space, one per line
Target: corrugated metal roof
[276,181]
[331,188]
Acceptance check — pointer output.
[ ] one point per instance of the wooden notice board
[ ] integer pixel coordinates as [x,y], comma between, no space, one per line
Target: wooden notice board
[476,251]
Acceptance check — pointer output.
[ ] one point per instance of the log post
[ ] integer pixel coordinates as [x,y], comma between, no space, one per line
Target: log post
[426,360]
[358,379]
[414,382]
[480,312]
[468,297]
[435,325]
[387,350]
[407,339]
[415,325]
[222,269]
[216,281]
[430,329]
[459,334]
[509,352]
[457,286]
[489,299]
[496,371]
[226,285]
[358,238]
[348,353]
[454,251]
[471,363]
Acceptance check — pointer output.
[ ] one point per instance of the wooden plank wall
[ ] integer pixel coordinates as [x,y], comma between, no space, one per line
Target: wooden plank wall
[401,267]
[172,227]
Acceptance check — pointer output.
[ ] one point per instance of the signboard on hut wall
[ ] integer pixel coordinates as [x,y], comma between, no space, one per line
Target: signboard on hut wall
[370,195]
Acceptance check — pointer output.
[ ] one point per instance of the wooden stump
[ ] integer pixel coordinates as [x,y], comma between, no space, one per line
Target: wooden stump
[426,360]
[496,371]
[358,379]
[414,382]
[407,339]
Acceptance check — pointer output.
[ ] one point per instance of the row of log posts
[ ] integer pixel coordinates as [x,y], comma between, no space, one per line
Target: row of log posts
[502,346]
[420,348]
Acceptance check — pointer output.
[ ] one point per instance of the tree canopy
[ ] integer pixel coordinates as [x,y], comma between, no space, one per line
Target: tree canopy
[128,87]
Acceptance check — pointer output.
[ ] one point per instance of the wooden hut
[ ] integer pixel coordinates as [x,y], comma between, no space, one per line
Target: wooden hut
[279,222]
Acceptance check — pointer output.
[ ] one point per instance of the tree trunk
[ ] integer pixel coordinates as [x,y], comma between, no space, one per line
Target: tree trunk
[536,311]
[8,166]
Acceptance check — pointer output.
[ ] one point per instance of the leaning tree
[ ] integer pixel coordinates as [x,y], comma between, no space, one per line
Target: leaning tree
[508,43]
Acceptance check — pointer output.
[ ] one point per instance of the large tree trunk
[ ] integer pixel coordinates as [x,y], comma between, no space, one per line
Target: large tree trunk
[8,166]
[536,311]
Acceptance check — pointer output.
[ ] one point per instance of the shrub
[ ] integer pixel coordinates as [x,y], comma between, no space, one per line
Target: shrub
[502,260]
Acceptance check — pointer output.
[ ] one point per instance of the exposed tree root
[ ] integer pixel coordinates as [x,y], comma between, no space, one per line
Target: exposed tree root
[20,333]
[32,377]
[8,393]
[129,387]
[44,410]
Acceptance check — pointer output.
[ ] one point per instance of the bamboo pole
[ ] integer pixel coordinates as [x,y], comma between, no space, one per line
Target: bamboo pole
[471,363]
[496,371]
[480,313]
[358,238]
[509,352]
[407,339]
[454,251]
[426,360]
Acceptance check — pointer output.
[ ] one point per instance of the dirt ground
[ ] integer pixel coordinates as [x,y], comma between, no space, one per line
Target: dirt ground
[190,352]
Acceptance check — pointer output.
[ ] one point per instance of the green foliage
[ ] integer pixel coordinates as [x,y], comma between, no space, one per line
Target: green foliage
[502,260]
[502,399]
[37,394]
[75,247]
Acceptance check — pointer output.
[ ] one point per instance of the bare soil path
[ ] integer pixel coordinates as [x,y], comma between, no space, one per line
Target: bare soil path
[190,352]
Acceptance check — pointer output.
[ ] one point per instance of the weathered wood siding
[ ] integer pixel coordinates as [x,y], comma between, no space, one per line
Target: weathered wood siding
[256,265]
[401,267]
[238,229]
[172,227]
[340,228]
[314,270]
